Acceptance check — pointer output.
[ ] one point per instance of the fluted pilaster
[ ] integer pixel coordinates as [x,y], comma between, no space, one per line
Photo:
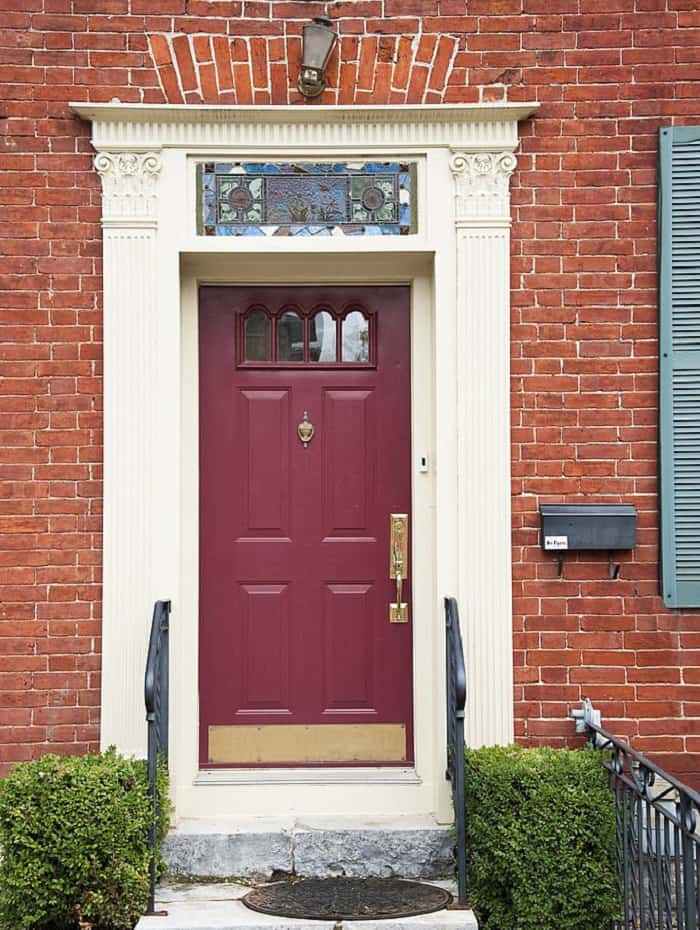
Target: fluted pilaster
[482,218]
[129,219]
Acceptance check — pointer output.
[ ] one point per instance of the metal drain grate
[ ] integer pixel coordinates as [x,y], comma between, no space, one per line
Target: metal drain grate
[347,898]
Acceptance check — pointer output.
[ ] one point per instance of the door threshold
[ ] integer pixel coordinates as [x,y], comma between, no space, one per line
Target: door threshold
[309,776]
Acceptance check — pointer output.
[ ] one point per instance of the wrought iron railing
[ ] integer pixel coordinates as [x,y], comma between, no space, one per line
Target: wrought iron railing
[156,695]
[658,844]
[456,699]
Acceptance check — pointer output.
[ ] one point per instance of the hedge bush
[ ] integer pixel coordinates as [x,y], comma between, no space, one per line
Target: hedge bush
[540,839]
[74,842]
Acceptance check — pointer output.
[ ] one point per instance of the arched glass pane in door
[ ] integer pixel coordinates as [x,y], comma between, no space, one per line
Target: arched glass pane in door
[258,342]
[290,337]
[355,337]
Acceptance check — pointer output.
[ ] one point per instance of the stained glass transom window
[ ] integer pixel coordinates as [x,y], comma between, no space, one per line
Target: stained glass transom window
[307,199]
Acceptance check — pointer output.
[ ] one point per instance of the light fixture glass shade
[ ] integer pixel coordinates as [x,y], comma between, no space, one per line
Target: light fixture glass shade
[318,42]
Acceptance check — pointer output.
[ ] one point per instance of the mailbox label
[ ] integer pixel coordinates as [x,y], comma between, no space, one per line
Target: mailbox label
[556,542]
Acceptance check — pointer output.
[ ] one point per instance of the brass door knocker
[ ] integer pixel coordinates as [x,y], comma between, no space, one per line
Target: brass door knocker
[306,430]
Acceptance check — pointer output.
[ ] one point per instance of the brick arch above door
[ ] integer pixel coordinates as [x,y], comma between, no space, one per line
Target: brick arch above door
[263,69]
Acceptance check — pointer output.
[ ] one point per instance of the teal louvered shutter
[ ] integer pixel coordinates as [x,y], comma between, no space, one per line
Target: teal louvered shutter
[679,308]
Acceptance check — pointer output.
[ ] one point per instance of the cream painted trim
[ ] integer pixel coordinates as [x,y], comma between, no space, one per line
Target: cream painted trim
[450,114]
[310,776]
[474,127]
[458,264]
[260,791]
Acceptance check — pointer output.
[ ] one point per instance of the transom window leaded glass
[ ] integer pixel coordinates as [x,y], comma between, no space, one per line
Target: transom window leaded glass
[307,199]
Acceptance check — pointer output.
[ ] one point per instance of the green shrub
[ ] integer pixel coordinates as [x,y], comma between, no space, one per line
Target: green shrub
[540,839]
[73,841]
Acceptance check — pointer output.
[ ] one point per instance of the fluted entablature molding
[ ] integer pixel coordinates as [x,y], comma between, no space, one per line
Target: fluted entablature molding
[129,187]
[482,185]
[469,127]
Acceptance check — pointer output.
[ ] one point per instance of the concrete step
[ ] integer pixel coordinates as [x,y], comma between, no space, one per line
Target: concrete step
[218,907]
[264,848]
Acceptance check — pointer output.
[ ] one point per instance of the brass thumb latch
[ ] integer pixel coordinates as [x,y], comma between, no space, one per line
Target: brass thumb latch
[398,564]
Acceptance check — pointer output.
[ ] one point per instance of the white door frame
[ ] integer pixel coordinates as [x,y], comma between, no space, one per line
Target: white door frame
[458,263]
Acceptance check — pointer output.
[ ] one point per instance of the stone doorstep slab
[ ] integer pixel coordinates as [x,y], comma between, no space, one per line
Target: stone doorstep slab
[400,847]
[218,907]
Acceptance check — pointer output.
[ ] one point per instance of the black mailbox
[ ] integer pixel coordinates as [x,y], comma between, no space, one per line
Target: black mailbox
[567,527]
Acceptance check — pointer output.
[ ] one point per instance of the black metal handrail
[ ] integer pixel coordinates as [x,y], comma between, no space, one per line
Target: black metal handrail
[456,699]
[658,844]
[156,696]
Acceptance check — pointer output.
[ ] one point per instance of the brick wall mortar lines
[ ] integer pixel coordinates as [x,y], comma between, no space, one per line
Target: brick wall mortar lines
[584,318]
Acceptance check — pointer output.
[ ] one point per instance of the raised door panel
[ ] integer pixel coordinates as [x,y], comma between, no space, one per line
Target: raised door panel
[349,466]
[348,661]
[263,621]
[264,441]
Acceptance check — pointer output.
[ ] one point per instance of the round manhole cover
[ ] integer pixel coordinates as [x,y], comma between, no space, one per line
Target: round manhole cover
[347,898]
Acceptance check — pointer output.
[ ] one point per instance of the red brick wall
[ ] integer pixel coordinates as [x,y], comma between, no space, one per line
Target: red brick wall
[607,73]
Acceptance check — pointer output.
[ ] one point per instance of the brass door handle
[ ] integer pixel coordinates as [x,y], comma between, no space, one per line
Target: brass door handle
[398,560]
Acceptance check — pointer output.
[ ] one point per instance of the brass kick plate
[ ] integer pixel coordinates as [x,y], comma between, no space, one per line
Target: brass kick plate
[398,564]
[285,744]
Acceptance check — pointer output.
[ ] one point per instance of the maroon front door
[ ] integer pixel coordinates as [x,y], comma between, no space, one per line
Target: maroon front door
[305,454]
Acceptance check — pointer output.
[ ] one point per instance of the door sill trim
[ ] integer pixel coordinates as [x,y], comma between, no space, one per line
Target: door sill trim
[309,776]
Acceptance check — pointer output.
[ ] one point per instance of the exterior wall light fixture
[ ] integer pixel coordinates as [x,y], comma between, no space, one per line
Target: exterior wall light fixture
[317,44]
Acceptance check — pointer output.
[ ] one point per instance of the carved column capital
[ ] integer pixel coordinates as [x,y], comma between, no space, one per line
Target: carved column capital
[129,187]
[482,185]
